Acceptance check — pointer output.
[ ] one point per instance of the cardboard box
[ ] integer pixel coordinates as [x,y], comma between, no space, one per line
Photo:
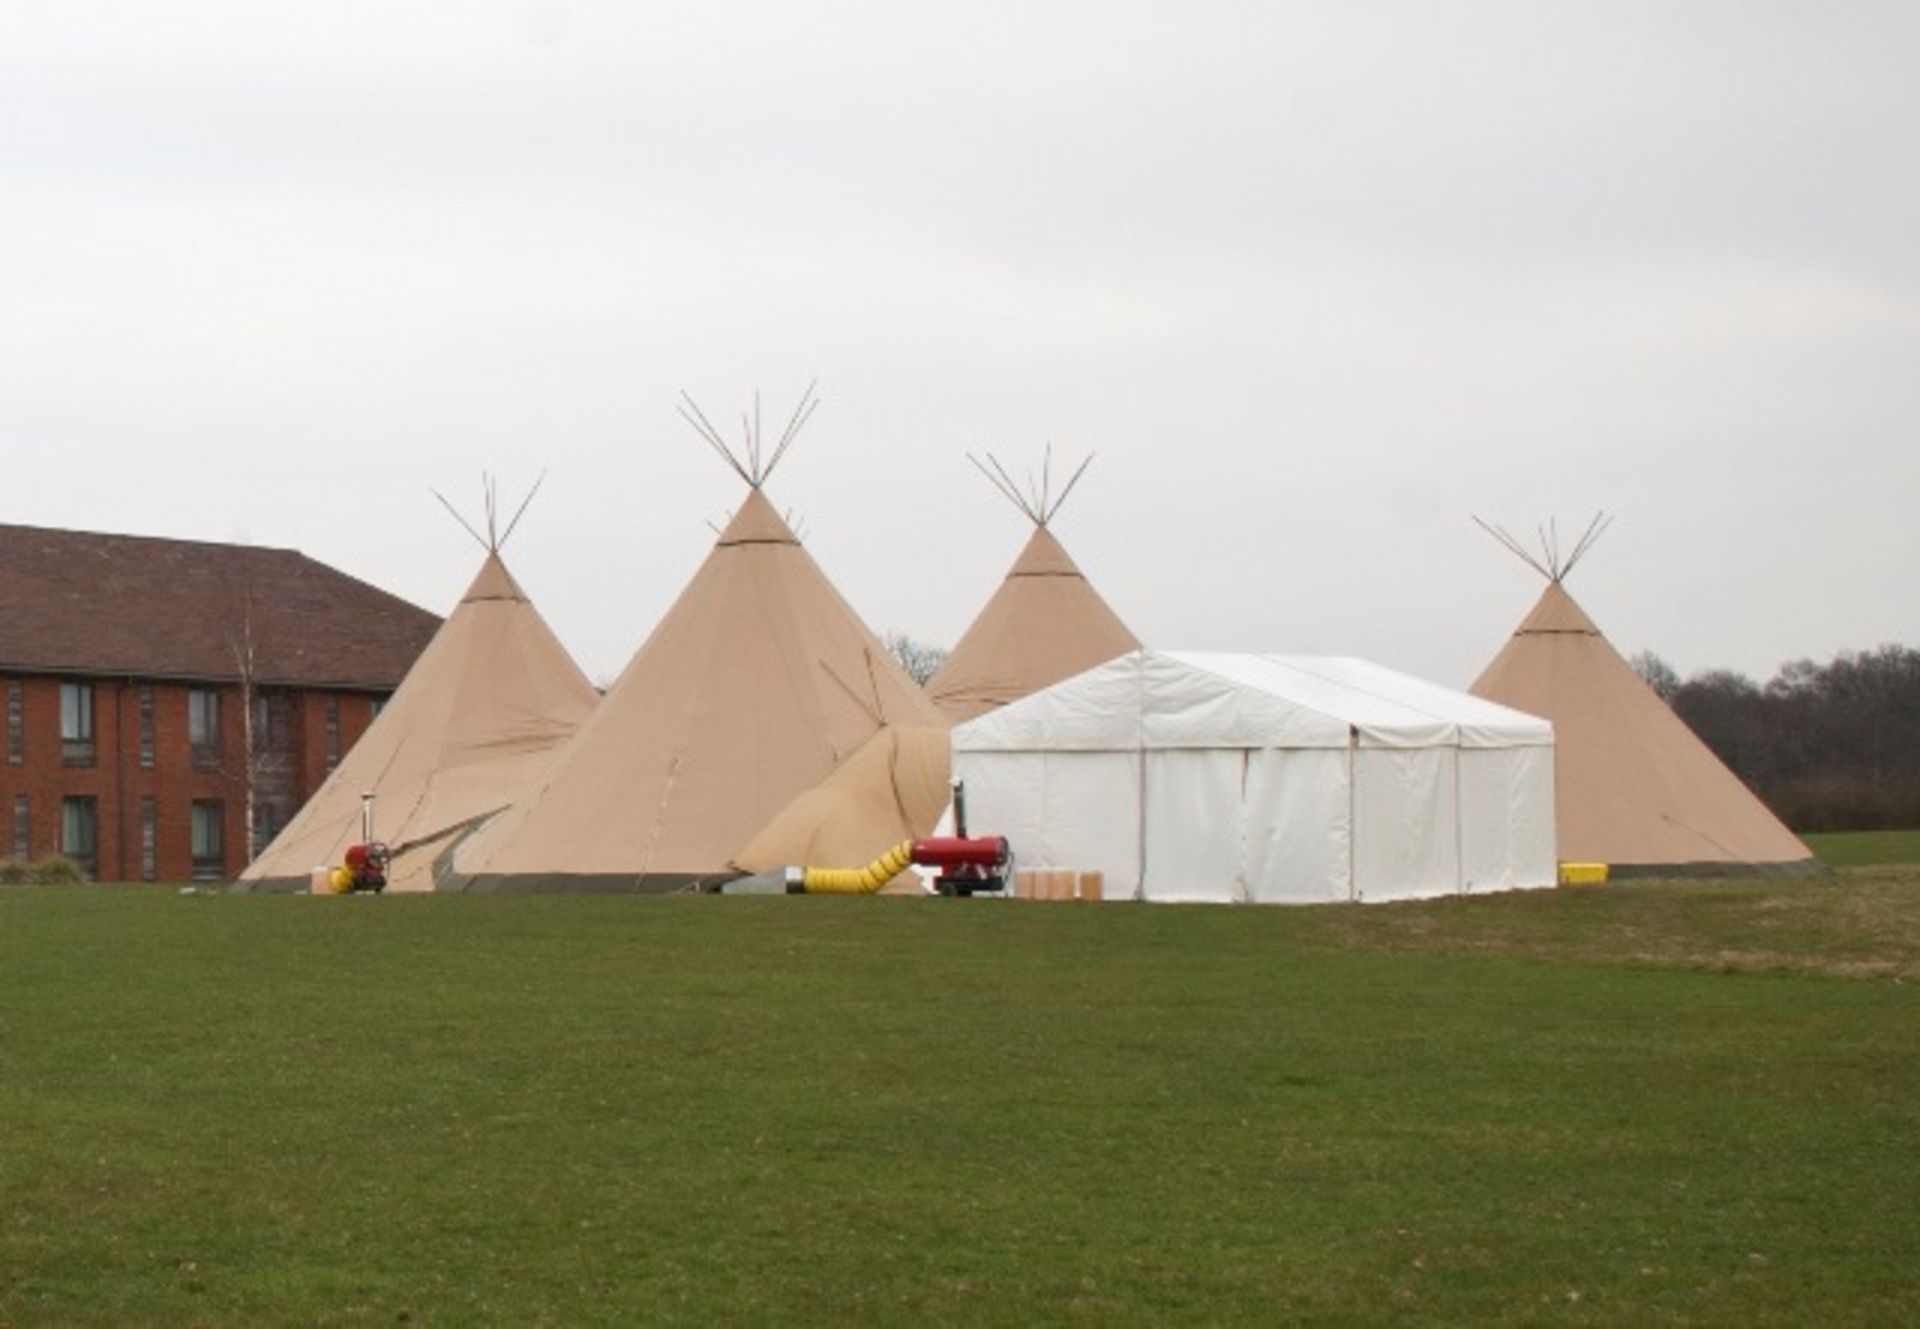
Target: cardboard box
[1057,884]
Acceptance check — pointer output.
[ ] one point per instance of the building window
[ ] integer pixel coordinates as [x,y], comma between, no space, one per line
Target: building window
[374,707]
[146,727]
[77,827]
[333,732]
[209,840]
[22,829]
[149,839]
[203,728]
[16,723]
[76,724]
[273,715]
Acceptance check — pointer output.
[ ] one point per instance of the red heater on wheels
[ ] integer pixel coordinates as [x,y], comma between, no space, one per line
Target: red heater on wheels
[969,865]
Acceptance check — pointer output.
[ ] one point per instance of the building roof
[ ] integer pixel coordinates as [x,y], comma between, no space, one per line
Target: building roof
[82,602]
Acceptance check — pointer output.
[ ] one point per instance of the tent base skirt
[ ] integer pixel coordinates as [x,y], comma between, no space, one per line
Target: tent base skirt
[583,883]
[1799,867]
[272,886]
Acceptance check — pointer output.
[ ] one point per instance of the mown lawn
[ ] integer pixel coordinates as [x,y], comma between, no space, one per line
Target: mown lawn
[1852,849]
[1657,1102]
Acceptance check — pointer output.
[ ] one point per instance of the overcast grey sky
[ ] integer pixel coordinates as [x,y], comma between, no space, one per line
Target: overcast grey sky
[1315,282]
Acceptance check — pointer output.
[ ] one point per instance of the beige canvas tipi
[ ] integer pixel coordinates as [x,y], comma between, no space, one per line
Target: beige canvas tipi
[487,703]
[1634,787]
[759,681]
[893,788]
[1045,623]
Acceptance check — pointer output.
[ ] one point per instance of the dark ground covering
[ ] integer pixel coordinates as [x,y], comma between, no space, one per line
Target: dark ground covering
[1657,1102]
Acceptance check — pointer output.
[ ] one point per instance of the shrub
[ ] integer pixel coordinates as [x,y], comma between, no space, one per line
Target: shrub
[53,870]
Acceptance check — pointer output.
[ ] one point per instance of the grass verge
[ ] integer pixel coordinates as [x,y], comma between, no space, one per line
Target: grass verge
[1653,1103]
[1852,849]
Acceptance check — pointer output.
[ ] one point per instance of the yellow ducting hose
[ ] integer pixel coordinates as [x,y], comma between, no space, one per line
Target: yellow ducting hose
[860,881]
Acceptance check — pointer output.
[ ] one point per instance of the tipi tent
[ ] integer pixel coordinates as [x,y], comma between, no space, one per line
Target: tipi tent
[759,681]
[892,789]
[488,701]
[1636,789]
[1265,779]
[1045,623]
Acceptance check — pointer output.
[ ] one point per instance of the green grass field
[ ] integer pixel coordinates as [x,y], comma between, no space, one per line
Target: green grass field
[1853,849]
[1651,1102]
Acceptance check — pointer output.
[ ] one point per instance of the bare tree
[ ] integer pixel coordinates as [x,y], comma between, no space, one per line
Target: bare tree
[920,660]
[245,645]
[264,768]
[1656,674]
[1829,747]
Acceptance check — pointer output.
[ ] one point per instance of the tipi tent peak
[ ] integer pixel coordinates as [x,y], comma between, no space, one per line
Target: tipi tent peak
[495,539]
[1044,623]
[1550,562]
[1037,500]
[750,461]
[796,524]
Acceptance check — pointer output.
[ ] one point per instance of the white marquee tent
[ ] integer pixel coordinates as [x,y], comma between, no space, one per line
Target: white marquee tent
[1264,778]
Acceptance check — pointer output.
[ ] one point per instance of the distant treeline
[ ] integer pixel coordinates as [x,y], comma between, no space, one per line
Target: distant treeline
[1832,747]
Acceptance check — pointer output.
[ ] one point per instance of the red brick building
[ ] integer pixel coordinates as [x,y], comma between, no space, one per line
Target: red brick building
[160,697]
